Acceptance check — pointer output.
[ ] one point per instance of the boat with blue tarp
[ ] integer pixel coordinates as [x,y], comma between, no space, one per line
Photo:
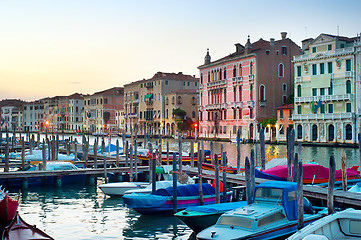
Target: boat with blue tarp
[161,200]
[272,214]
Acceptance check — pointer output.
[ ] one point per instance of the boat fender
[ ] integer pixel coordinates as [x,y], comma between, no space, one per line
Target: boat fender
[213,233]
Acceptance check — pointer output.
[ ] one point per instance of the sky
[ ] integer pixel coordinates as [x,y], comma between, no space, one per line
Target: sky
[60,47]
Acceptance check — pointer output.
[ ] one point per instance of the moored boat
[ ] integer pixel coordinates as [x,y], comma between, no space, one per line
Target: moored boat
[200,217]
[119,188]
[161,201]
[18,229]
[8,207]
[272,214]
[340,225]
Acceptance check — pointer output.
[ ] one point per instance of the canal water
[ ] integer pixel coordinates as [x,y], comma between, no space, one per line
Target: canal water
[84,212]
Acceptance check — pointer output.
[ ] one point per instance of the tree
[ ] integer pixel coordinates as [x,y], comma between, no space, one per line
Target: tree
[179,113]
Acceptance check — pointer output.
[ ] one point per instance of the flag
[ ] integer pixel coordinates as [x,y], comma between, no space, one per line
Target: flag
[313,108]
[319,104]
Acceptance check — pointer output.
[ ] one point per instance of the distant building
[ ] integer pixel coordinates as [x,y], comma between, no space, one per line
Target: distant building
[11,114]
[327,90]
[34,118]
[100,110]
[145,101]
[244,88]
[284,120]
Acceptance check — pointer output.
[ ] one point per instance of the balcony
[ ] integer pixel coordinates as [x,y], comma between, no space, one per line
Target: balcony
[250,104]
[262,103]
[298,79]
[216,106]
[324,98]
[149,85]
[236,104]
[149,102]
[237,80]
[348,74]
[251,77]
[216,84]
[323,116]
[132,115]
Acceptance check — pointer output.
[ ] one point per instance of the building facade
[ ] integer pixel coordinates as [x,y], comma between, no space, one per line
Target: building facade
[284,121]
[327,90]
[246,87]
[34,116]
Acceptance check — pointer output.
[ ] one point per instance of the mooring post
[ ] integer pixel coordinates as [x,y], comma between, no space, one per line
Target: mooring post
[344,170]
[117,153]
[192,153]
[103,146]
[7,166]
[216,172]
[224,161]
[22,153]
[95,150]
[105,168]
[200,179]
[180,153]
[212,152]
[238,150]
[252,171]
[263,149]
[174,174]
[299,151]
[75,150]
[131,176]
[300,194]
[31,147]
[331,185]
[359,148]
[289,157]
[44,155]
[247,168]
[136,159]
[154,173]
[168,153]
[295,168]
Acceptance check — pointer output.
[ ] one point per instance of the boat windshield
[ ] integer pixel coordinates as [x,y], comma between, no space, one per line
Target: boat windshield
[275,217]
[235,221]
[267,194]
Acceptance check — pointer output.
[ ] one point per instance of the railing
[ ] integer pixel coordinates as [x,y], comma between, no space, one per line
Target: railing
[251,77]
[132,115]
[149,85]
[250,104]
[150,102]
[298,79]
[236,104]
[216,83]
[216,106]
[323,116]
[262,103]
[348,74]
[324,98]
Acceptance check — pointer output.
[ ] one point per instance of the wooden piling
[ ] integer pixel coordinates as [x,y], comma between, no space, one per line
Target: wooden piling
[168,154]
[252,171]
[331,185]
[289,158]
[238,146]
[300,193]
[44,155]
[75,150]
[263,149]
[299,151]
[247,168]
[57,147]
[22,153]
[212,152]
[7,164]
[126,153]
[103,146]
[180,153]
[224,162]
[216,172]
[344,170]
[154,173]
[95,150]
[136,159]
[200,179]
[359,148]
[174,174]
[192,153]
[105,168]
[295,168]
[131,176]
[117,153]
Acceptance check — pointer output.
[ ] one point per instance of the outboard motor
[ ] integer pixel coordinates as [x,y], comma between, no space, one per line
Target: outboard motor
[307,206]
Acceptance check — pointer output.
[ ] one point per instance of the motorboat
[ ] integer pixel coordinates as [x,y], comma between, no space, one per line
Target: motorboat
[161,201]
[119,188]
[199,218]
[148,189]
[340,225]
[272,214]
[19,229]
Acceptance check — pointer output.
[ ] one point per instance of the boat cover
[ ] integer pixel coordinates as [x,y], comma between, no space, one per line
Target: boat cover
[310,171]
[260,174]
[219,207]
[289,199]
[186,190]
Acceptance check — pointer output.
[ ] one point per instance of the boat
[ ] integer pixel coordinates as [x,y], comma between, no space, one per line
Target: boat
[148,189]
[37,157]
[119,188]
[199,218]
[313,173]
[161,201]
[272,214]
[20,230]
[8,207]
[113,150]
[356,188]
[340,225]
[211,167]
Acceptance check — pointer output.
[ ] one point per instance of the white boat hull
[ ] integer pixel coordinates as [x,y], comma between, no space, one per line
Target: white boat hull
[119,188]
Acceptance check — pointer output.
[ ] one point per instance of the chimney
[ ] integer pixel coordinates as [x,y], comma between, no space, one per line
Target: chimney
[239,47]
[283,35]
[272,41]
[248,46]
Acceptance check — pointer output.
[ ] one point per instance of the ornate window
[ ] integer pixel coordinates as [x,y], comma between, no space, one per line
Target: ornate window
[280,70]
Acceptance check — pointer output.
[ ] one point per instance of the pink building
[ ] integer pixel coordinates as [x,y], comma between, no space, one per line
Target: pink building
[240,90]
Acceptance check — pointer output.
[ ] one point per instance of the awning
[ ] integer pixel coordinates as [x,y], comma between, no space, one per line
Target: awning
[148,96]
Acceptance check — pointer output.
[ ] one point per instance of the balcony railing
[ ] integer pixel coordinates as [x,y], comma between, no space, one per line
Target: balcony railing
[149,85]
[323,116]
[216,106]
[150,102]
[250,104]
[324,98]
[236,104]
[348,74]
[251,77]
[298,79]
[132,115]
[262,103]
[217,83]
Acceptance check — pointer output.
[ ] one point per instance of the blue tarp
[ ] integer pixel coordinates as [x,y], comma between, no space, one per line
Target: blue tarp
[113,148]
[289,198]
[260,174]
[218,207]
[186,190]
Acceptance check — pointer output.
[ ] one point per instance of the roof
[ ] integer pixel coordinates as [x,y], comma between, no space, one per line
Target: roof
[167,76]
[288,106]
[341,38]
[111,91]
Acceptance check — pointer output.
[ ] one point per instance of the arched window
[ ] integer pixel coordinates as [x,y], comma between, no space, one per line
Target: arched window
[280,70]
[201,78]
[225,73]
[173,100]
[251,68]
[234,71]
[225,95]
[234,94]
[193,101]
[314,132]
[219,74]
[251,92]
[240,70]
[348,86]
[262,93]
[209,76]
[331,133]
[299,91]
[348,132]
[240,93]
[193,114]
[299,131]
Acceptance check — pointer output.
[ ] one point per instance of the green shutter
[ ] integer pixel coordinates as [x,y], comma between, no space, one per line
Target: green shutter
[148,96]
[299,73]
[329,66]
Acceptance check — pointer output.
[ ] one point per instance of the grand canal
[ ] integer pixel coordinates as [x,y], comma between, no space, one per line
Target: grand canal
[84,212]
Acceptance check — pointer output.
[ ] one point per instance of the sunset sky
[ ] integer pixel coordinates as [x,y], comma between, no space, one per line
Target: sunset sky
[56,48]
